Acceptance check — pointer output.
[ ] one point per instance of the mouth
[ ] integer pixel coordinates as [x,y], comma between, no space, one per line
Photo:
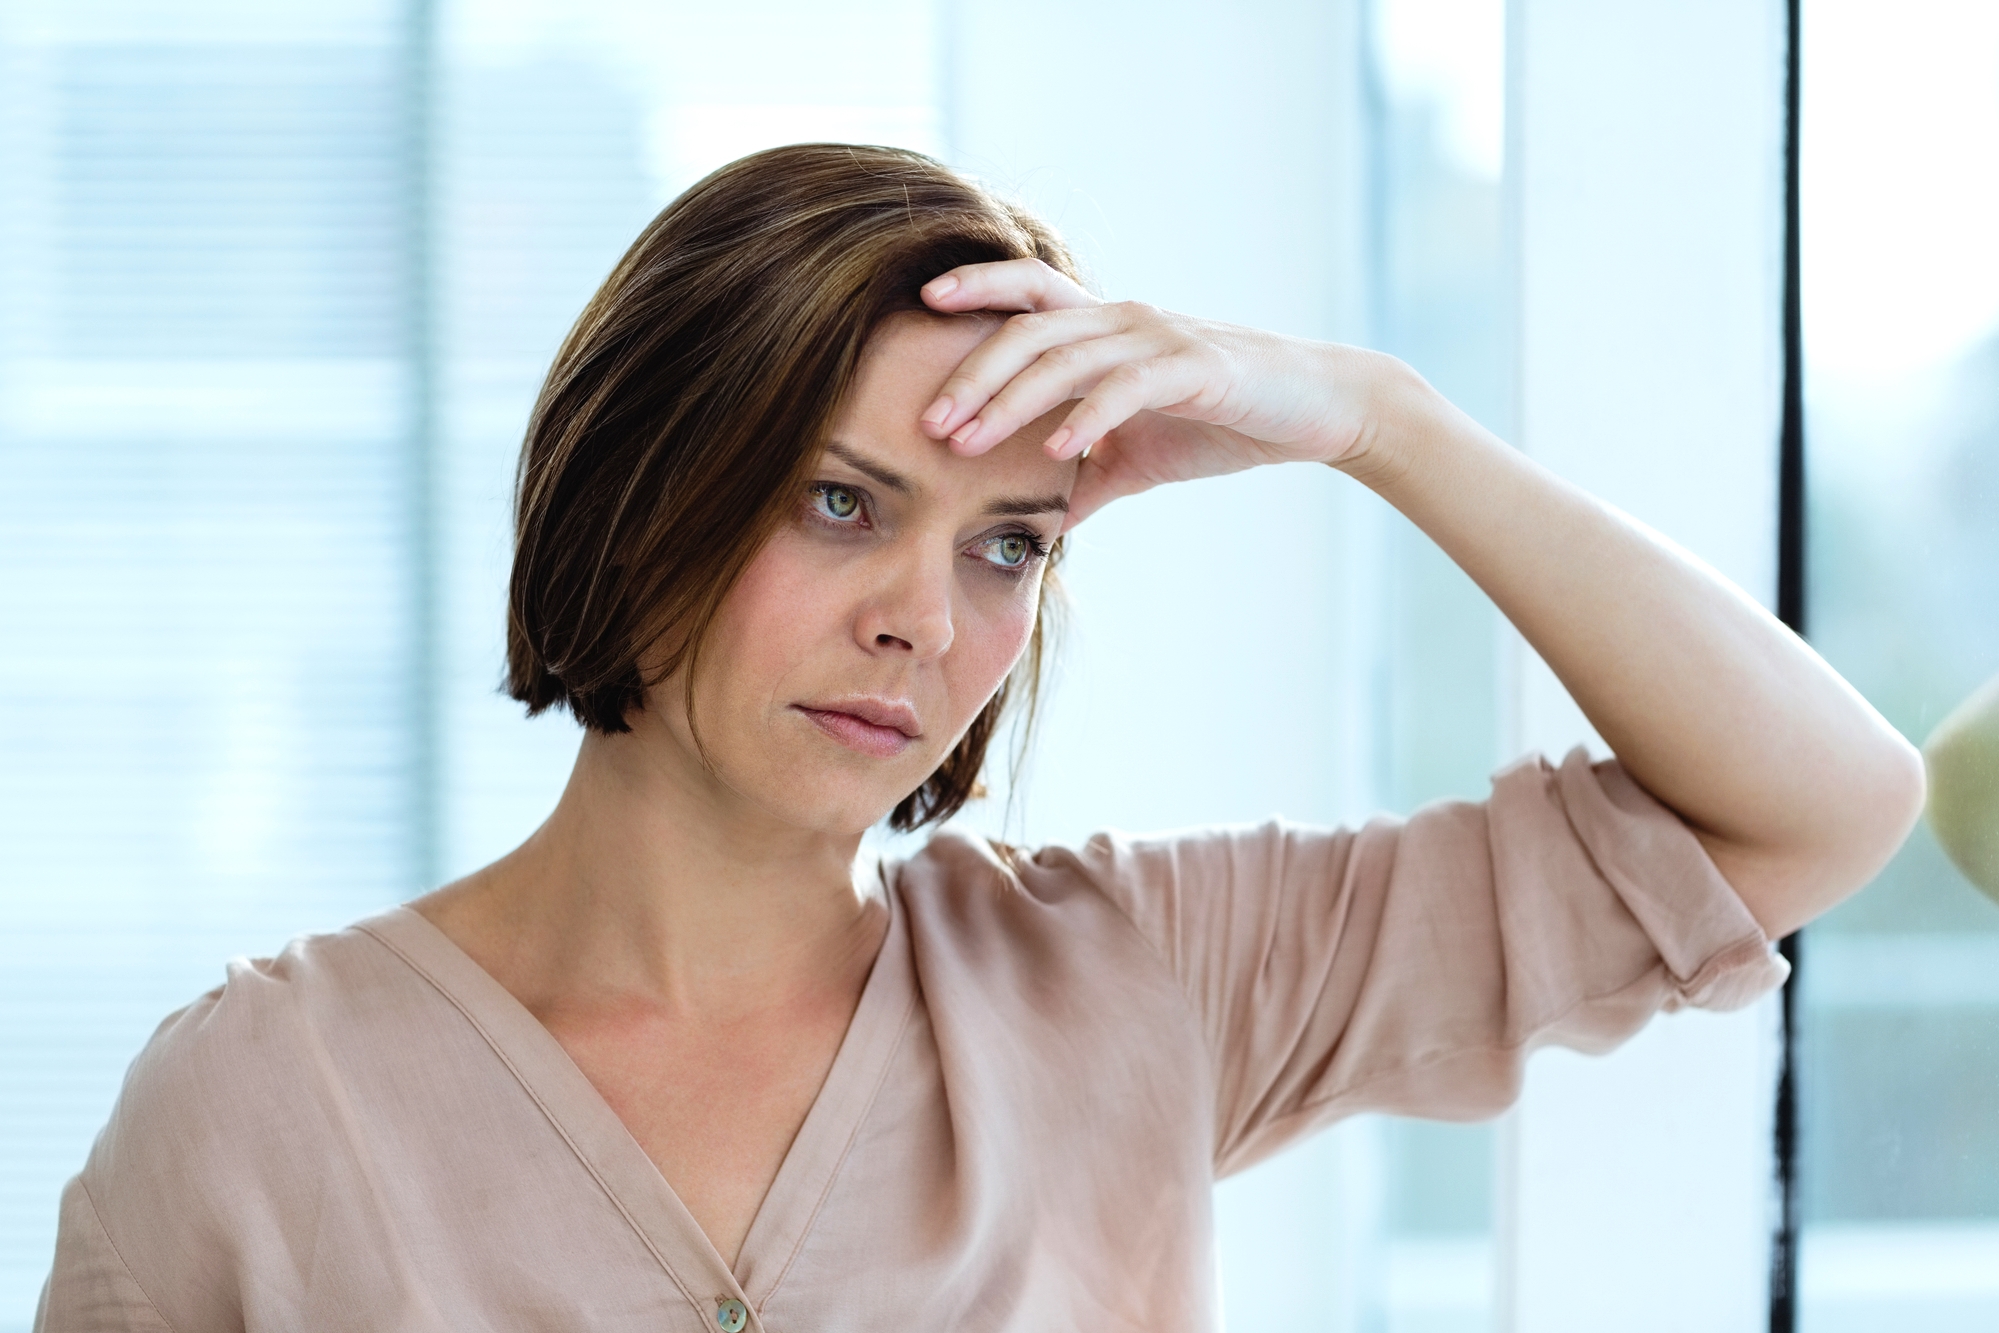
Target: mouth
[882,728]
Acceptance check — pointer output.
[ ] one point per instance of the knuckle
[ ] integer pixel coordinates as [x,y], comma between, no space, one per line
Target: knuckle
[998,420]
[1006,395]
[1209,398]
[1130,375]
[1034,324]
[1067,358]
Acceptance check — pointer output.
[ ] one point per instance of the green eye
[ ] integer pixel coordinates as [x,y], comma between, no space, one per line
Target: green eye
[1012,551]
[838,501]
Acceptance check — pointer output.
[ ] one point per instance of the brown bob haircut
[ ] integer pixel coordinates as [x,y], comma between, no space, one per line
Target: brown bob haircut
[686,410]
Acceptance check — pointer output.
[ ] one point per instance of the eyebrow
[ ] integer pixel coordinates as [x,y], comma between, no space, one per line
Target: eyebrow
[1026,505]
[1005,506]
[879,473]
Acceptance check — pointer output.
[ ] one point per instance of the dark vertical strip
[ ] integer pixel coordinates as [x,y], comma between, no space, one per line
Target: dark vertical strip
[419,355]
[1791,610]
[1791,462]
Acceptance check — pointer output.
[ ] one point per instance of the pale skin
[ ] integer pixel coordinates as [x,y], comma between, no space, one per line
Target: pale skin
[691,930]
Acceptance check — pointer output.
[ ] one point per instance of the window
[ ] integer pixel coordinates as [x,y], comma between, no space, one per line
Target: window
[278,284]
[1899,1024]
[210,710]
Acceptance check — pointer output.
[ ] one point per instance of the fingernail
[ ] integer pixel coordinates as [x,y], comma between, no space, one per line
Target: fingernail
[940,287]
[939,413]
[1053,444]
[966,433]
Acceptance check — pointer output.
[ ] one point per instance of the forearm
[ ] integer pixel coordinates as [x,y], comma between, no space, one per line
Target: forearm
[1796,786]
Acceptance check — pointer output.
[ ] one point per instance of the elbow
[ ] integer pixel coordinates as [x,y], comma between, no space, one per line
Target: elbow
[1905,789]
[1915,780]
[1860,817]
[1886,792]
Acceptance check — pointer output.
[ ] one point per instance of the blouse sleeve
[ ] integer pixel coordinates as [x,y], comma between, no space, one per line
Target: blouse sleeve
[1410,967]
[90,1290]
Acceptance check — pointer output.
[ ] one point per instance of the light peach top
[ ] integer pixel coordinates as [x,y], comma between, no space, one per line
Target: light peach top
[1052,1060]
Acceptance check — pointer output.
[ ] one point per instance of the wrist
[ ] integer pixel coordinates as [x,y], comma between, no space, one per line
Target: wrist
[1404,424]
[1389,394]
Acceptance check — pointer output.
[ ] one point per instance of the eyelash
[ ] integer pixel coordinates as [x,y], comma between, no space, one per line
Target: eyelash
[1037,549]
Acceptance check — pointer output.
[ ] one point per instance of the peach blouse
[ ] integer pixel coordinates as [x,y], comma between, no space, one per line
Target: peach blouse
[1054,1057]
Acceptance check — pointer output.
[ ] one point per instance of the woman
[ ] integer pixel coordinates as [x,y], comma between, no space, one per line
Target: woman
[786,510]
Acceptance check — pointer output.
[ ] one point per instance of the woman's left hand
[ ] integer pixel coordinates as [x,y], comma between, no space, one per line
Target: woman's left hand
[1164,397]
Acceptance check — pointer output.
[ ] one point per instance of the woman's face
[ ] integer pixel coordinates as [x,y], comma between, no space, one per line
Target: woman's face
[868,633]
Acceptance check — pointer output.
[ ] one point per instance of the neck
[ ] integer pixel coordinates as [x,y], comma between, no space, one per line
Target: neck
[653,881]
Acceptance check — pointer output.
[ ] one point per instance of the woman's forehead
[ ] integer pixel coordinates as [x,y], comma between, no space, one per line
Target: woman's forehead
[914,351]
[901,373]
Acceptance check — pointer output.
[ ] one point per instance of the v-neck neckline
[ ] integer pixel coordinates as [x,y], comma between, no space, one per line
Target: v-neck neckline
[607,1150]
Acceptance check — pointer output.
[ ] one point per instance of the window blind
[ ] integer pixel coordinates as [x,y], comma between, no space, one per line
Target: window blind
[206,572]
[278,282]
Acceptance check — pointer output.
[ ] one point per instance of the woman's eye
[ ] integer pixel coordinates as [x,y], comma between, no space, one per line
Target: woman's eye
[837,502]
[1012,551]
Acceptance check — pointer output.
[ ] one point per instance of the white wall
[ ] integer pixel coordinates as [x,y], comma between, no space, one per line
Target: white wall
[1646,194]
[1206,159]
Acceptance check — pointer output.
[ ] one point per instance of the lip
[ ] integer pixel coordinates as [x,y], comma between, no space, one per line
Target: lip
[879,727]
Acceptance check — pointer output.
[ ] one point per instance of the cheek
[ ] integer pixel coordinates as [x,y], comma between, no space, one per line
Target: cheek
[772,618]
[990,643]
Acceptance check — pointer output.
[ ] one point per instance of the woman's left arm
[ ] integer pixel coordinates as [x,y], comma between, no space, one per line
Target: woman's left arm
[1798,789]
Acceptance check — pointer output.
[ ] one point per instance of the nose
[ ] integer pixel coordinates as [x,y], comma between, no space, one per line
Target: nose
[909,613]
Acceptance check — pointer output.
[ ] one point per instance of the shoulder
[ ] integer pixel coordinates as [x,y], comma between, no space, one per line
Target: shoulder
[1118,863]
[957,871]
[228,1095]
[250,1034]
[1180,883]
[963,892]
[1030,944]
[1160,895]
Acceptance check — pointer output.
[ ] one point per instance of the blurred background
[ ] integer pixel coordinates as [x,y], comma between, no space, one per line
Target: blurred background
[278,281]
[1899,1029]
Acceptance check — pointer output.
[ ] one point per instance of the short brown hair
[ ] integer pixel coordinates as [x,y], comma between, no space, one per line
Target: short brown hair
[684,412]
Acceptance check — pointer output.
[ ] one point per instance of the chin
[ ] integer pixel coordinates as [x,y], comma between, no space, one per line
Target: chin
[811,782]
[832,818]
[830,799]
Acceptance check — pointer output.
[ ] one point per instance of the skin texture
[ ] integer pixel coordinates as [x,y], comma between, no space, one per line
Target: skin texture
[690,931]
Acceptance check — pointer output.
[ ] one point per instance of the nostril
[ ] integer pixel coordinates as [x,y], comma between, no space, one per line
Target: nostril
[890,641]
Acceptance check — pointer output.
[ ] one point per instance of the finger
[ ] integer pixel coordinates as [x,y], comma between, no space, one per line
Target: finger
[989,366]
[1123,392]
[1069,370]
[1105,475]
[1009,284]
